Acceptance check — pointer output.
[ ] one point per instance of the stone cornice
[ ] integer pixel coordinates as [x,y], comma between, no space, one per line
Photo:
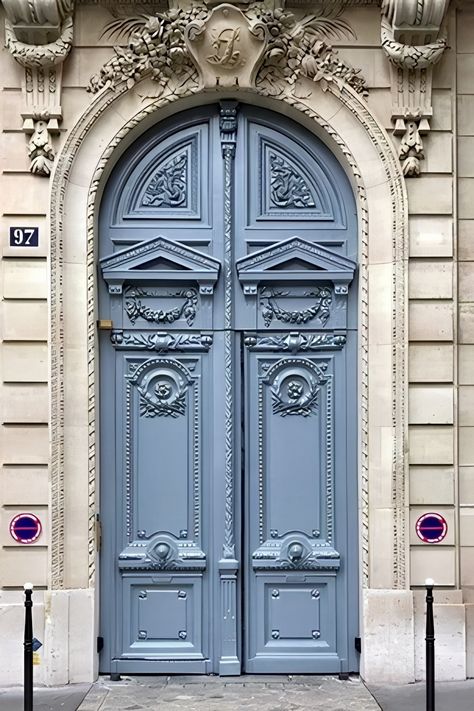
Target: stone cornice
[414,41]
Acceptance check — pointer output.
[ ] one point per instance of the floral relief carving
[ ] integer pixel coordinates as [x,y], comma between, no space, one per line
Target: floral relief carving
[295,386]
[155,48]
[295,396]
[295,341]
[161,341]
[162,387]
[163,400]
[168,187]
[288,188]
[257,46]
[299,48]
[272,309]
[136,309]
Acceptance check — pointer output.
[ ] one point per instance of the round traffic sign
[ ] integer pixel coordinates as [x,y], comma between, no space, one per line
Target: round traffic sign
[25,528]
[431,528]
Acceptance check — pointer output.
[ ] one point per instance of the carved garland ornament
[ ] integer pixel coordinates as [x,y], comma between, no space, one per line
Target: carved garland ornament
[271,309]
[258,46]
[410,40]
[135,309]
[39,36]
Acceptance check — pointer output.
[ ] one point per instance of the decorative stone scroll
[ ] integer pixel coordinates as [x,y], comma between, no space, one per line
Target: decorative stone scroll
[256,45]
[413,43]
[39,36]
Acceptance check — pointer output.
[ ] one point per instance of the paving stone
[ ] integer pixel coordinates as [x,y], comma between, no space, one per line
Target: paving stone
[252,693]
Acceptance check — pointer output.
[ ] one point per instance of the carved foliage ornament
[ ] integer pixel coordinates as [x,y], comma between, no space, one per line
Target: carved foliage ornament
[288,188]
[410,30]
[168,186]
[258,46]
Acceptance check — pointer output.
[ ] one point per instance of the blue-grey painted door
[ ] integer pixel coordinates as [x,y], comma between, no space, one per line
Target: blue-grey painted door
[228,313]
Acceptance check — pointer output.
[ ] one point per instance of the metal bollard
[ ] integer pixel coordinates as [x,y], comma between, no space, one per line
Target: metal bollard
[28,650]
[430,648]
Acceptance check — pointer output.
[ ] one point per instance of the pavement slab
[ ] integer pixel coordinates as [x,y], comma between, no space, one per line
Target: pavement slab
[65,698]
[247,693]
[265,693]
[449,696]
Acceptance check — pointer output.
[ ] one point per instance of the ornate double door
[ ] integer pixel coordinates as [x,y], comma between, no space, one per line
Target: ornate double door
[228,401]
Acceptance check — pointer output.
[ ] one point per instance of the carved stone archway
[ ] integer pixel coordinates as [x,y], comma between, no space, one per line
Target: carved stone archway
[328,105]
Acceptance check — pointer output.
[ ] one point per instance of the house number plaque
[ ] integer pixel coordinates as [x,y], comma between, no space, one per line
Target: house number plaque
[24,236]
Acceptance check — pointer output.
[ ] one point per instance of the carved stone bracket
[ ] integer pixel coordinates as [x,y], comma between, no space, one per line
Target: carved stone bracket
[255,45]
[414,42]
[39,36]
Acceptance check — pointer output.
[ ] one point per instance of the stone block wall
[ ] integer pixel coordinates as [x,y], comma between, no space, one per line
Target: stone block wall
[432,334]
[465,317]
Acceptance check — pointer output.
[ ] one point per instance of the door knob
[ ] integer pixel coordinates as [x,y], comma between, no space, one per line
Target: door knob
[295,551]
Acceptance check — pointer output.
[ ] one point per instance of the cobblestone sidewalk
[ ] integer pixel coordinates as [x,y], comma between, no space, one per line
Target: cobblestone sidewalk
[251,693]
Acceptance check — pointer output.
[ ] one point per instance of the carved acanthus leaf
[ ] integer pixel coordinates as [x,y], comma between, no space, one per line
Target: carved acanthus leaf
[159,47]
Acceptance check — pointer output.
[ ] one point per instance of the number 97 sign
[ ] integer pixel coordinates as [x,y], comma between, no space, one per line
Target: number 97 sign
[24,236]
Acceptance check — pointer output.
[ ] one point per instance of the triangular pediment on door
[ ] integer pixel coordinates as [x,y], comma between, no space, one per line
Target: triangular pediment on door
[159,260]
[295,260]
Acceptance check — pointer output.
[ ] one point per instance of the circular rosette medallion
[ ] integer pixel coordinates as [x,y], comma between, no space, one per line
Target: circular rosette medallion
[162,389]
[295,390]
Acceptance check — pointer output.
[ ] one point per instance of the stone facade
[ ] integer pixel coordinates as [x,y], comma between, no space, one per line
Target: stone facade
[412,170]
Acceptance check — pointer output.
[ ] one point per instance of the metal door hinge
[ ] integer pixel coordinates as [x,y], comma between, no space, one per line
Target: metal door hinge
[105,324]
[358,644]
[98,532]
[100,644]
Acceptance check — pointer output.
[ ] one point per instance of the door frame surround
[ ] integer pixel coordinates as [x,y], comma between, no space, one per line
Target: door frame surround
[343,120]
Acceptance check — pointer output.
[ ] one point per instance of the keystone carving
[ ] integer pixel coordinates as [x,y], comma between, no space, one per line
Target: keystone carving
[254,46]
[39,35]
[414,42]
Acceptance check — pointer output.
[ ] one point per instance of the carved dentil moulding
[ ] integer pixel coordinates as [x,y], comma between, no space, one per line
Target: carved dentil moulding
[39,35]
[414,42]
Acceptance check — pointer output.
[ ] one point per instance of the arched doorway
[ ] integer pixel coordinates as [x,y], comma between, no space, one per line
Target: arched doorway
[228,249]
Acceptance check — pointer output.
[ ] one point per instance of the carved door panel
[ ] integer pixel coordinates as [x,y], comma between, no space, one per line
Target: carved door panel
[228,472]
[298,524]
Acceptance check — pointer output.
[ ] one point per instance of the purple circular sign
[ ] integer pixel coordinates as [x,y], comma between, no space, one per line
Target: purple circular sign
[431,528]
[25,528]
